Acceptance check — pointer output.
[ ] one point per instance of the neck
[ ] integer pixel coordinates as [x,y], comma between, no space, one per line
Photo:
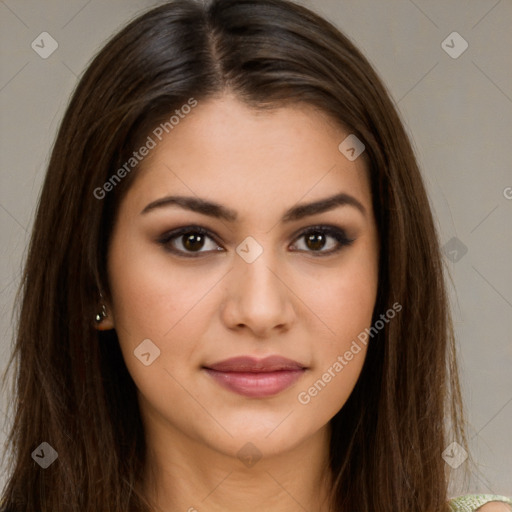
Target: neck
[183,474]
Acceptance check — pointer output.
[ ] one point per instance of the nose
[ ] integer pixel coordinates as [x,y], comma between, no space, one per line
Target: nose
[258,298]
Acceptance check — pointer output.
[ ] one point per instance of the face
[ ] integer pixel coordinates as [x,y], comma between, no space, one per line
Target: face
[239,265]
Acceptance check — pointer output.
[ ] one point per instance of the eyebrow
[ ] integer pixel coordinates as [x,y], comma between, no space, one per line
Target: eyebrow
[219,211]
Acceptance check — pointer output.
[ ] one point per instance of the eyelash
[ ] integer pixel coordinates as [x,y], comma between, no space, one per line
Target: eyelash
[338,234]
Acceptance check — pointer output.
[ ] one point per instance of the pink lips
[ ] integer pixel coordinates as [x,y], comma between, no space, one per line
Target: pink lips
[256,378]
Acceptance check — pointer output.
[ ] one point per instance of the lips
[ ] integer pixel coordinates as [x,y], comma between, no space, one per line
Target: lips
[257,378]
[251,364]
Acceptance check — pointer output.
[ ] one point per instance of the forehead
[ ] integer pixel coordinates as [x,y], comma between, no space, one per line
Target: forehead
[250,159]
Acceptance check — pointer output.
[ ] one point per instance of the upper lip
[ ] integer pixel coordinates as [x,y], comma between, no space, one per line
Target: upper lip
[251,364]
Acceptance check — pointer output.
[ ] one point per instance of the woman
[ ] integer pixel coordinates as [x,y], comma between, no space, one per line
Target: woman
[233,298]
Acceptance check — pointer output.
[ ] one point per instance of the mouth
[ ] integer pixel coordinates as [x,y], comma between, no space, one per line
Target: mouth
[256,378]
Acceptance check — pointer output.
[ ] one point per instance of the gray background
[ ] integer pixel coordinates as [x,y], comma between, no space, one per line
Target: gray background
[458,112]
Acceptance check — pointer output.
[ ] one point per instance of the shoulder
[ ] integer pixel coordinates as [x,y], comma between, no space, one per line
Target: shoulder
[495,506]
[480,503]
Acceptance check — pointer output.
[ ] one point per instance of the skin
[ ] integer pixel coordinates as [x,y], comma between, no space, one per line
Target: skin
[495,506]
[199,311]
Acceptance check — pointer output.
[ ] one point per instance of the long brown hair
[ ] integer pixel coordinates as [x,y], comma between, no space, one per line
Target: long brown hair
[72,388]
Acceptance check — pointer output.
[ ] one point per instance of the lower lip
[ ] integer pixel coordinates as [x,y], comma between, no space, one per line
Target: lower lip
[256,385]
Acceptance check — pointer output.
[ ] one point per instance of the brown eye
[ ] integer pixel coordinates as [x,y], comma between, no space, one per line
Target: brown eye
[316,238]
[189,241]
[315,241]
[193,241]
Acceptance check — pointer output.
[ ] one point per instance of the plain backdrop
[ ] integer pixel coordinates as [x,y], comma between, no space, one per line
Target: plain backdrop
[457,108]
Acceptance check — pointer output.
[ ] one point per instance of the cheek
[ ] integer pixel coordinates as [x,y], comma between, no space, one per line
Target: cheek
[347,305]
[344,302]
[343,299]
[157,301]
[151,296]
[345,308]
[339,357]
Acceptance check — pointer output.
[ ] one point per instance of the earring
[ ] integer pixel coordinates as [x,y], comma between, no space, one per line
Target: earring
[103,314]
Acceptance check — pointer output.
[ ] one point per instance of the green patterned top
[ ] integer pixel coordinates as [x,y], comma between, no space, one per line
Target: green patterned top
[472,502]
